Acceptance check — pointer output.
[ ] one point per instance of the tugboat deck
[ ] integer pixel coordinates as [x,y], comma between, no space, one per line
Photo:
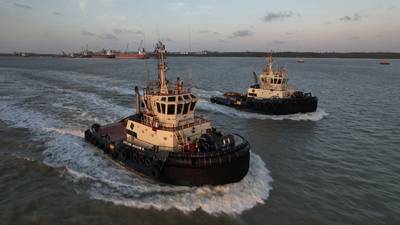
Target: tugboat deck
[115,132]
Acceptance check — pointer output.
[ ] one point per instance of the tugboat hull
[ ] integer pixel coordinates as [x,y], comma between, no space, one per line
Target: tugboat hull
[283,106]
[179,168]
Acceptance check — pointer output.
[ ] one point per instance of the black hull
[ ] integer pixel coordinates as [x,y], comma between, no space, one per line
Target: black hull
[271,106]
[179,168]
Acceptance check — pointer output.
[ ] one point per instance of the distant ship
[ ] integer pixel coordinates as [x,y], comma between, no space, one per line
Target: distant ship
[300,61]
[270,96]
[104,54]
[85,53]
[384,62]
[141,54]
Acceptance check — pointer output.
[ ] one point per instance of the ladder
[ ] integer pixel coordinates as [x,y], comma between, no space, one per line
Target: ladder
[181,140]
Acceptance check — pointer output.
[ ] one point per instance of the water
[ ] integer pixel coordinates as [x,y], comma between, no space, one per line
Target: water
[338,165]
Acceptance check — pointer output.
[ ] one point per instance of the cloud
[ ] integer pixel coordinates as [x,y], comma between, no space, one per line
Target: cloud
[119,31]
[289,33]
[279,42]
[58,14]
[274,16]
[23,6]
[204,32]
[222,41]
[107,37]
[241,33]
[87,33]
[208,32]
[356,17]
[134,31]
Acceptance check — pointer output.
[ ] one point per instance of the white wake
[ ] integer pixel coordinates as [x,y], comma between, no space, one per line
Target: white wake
[65,148]
[208,106]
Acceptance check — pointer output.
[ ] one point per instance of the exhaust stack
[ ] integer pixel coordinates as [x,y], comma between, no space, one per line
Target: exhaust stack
[138,100]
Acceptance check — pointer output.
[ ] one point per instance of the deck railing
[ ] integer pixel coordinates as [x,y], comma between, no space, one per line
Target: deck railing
[183,124]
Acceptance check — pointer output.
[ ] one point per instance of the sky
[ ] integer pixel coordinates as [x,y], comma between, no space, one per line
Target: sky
[52,26]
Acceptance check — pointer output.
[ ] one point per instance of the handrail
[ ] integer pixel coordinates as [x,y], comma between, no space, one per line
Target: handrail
[196,121]
[153,89]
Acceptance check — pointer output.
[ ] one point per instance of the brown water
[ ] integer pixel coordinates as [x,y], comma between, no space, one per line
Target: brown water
[338,165]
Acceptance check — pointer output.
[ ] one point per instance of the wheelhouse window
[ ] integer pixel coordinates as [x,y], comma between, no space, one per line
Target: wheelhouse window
[186,97]
[171,109]
[171,99]
[186,108]
[192,106]
[180,98]
[179,108]
[279,81]
[158,108]
[163,108]
[163,99]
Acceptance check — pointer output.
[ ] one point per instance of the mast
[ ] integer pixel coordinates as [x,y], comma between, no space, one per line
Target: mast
[162,68]
[270,62]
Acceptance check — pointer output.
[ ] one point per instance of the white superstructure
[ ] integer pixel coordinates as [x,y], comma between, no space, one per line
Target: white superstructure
[271,83]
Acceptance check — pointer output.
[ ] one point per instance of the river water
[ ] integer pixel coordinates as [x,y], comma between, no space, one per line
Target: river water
[339,165]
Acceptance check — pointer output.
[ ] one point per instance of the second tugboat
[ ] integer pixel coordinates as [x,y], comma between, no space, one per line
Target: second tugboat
[167,142]
[270,96]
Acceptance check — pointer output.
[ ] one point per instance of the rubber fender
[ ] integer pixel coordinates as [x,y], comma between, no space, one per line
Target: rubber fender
[155,172]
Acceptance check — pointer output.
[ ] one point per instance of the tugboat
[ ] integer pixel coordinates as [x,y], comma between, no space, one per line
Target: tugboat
[384,62]
[270,96]
[167,142]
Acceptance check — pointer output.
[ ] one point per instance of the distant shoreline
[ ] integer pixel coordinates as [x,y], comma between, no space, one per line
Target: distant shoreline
[349,55]
[359,55]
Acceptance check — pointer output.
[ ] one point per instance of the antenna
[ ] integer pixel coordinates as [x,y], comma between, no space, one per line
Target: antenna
[144,40]
[127,47]
[190,41]
[190,50]
[158,33]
